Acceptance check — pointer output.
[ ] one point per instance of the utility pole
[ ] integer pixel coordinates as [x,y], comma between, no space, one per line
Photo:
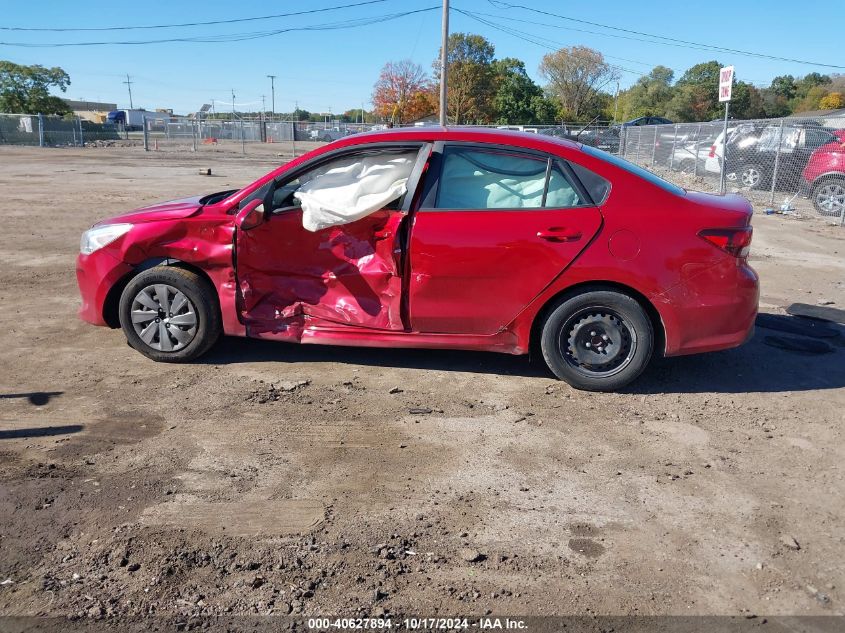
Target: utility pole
[273,94]
[444,51]
[263,107]
[233,102]
[129,83]
[616,108]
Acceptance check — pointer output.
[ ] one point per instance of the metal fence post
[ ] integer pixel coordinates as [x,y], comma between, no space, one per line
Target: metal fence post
[777,164]
[40,130]
[639,143]
[194,134]
[672,157]
[146,136]
[723,171]
[81,139]
[243,140]
[293,136]
[654,146]
[695,146]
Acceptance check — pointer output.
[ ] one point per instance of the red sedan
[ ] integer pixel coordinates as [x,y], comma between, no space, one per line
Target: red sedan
[430,237]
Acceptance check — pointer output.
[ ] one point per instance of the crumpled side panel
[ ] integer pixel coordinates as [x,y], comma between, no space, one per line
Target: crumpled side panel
[290,277]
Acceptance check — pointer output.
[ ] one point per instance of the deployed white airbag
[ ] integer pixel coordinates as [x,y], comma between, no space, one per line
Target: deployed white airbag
[350,189]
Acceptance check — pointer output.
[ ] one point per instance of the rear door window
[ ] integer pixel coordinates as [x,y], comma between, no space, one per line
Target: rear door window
[475,178]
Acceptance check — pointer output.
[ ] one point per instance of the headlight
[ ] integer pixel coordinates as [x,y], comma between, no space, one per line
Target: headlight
[94,239]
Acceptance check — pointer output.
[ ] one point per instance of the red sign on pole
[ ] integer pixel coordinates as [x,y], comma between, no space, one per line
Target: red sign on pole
[726,82]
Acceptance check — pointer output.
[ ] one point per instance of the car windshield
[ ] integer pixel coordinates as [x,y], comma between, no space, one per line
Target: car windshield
[634,169]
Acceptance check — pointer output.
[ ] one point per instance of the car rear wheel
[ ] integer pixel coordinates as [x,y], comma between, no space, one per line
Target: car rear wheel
[170,314]
[829,197]
[598,340]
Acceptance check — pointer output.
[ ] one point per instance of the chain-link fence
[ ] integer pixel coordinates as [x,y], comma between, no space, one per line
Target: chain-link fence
[790,165]
[52,131]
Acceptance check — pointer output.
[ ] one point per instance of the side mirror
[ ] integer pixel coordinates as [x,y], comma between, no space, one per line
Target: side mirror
[251,214]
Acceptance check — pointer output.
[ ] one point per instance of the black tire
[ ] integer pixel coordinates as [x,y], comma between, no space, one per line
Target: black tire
[826,195]
[597,340]
[196,326]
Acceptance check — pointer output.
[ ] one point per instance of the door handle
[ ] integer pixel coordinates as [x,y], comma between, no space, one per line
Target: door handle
[559,234]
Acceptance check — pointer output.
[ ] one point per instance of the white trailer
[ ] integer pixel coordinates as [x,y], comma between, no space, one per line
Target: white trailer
[134,119]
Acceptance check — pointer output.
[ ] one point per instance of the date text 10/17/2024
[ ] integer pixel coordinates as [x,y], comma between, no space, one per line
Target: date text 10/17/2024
[416,624]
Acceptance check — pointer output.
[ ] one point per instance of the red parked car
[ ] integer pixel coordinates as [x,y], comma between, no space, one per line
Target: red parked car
[443,238]
[824,177]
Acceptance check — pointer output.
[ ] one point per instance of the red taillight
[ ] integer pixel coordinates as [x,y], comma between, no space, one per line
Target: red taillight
[737,241]
[712,153]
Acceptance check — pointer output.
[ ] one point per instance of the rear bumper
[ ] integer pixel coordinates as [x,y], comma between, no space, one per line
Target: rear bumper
[96,275]
[713,310]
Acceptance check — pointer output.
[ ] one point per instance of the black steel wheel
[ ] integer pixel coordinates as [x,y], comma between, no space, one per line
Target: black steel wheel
[597,340]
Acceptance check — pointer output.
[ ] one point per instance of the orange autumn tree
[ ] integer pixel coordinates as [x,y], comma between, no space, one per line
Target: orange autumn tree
[403,92]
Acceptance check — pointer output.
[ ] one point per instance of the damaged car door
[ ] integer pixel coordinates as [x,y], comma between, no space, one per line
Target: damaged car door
[495,226]
[328,249]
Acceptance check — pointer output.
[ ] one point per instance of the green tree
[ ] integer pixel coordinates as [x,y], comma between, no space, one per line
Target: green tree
[546,110]
[651,94]
[696,96]
[784,86]
[516,93]
[747,101]
[469,64]
[26,89]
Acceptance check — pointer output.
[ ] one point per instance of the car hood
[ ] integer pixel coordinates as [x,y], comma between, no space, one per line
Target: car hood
[171,210]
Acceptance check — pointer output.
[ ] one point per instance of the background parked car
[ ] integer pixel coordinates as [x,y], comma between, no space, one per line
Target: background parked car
[824,176]
[330,134]
[753,149]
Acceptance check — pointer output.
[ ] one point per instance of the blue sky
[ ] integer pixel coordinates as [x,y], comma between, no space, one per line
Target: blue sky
[336,69]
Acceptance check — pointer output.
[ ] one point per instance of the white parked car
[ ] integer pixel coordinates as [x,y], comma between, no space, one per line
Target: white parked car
[328,135]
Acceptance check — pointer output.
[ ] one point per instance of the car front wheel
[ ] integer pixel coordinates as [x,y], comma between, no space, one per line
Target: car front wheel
[170,314]
[598,340]
[751,176]
[829,197]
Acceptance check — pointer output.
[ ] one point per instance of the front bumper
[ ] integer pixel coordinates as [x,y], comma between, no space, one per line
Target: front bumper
[96,275]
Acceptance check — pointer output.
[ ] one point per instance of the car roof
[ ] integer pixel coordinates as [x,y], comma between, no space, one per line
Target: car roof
[461,133]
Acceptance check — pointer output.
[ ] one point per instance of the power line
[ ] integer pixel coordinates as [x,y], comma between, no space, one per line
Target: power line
[171,26]
[516,33]
[669,41]
[237,37]
[528,37]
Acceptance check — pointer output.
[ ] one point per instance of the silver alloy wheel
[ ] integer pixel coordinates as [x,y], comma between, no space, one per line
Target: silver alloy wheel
[830,197]
[750,176]
[164,318]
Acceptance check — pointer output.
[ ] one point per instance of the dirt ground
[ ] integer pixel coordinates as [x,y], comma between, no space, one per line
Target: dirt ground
[276,479]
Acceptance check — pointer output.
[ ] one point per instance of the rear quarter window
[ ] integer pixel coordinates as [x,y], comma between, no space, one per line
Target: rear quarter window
[596,186]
